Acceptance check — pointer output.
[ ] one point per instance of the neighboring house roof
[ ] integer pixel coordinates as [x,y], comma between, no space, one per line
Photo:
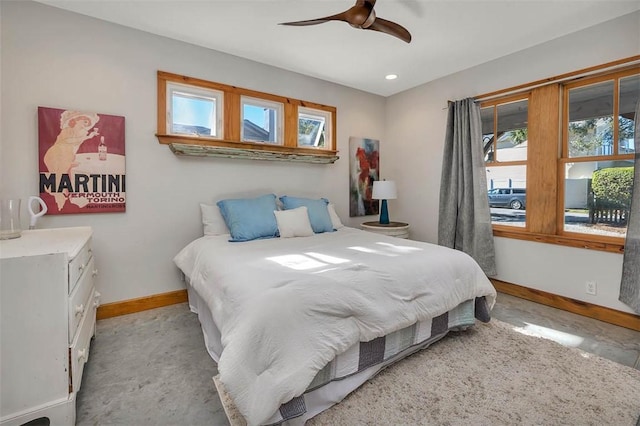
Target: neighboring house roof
[251,130]
[191,130]
[254,132]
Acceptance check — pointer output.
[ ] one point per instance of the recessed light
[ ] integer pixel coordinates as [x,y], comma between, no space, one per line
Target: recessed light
[391,76]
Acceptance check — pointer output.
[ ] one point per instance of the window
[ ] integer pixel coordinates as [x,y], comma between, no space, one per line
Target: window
[205,118]
[194,111]
[598,154]
[505,141]
[629,93]
[590,127]
[560,156]
[314,128]
[261,120]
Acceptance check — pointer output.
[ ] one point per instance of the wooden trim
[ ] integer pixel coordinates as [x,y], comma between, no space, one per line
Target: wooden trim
[162,75]
[594,243]
[594,158]
[616,116]
[109,310]
[611,316]
[601,313]
[162,106]
[231,136]
[503,100]
[334,131]
[542,157]
[601,78]
[560,196]
[232,116]
[291,122]
[559,78]
[505,163]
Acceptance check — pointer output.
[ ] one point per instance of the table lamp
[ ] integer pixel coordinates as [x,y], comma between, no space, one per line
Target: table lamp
[384,190]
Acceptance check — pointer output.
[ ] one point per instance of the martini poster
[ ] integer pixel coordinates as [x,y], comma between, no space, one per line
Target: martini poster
[81,161]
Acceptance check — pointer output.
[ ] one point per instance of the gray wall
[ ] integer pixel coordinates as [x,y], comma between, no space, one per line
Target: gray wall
[415,125]
[48,59]
[59,59]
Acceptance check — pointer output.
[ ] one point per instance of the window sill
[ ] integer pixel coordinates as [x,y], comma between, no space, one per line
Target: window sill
[206,147]
[601,245]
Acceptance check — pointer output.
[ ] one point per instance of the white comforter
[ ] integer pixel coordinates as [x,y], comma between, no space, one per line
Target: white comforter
[286,307]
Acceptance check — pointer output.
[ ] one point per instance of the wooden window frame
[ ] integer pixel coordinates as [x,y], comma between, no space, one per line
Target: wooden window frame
[564,159]
[547,154]
[278,107]
[230,143]
[199,92]
[494,104]
[328,125]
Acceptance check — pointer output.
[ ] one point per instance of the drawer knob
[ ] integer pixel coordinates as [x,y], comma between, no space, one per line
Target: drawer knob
[96,299]
[79,309]
[82,354]
[94,272]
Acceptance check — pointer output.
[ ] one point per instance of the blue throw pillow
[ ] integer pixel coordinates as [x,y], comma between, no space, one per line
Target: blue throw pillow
[318,212]
[250,218]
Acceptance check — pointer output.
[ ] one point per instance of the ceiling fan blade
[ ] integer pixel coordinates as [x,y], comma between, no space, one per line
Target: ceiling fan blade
[338,17]
[362,2]
[391,28]
[363,16]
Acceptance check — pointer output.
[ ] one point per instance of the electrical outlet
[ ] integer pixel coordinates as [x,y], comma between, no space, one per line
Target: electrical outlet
[591,287]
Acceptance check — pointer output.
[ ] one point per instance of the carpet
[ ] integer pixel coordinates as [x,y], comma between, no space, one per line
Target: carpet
[489,375]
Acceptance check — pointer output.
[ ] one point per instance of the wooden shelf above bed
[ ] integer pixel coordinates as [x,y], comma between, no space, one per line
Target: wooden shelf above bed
[192,146]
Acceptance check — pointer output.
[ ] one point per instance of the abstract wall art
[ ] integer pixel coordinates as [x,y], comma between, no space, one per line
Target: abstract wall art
[364,169]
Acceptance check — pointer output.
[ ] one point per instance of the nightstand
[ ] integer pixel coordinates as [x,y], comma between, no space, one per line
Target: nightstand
[393,229]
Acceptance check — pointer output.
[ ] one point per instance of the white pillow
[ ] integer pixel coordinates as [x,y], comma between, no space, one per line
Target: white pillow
[212,220]
[335,219]
[294,223]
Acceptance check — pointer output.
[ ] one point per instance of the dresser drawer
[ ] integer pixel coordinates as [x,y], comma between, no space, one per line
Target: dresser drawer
[79,350]
[81,298]
[78,264]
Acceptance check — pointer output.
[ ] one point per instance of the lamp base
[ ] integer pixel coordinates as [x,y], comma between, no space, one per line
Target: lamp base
[384,213]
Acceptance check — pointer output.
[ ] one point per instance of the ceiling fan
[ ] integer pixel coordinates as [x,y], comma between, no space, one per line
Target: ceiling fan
[364,17]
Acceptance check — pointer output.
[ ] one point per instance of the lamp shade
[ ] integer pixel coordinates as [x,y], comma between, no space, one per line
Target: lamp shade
[384,190]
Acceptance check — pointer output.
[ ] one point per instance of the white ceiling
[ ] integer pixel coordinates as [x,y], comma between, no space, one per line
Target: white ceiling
[448,35]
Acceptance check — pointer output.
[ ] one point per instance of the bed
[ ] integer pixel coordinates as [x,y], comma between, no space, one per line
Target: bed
[295,324]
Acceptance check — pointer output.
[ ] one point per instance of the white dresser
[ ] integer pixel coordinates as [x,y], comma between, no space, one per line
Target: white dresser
[48,308]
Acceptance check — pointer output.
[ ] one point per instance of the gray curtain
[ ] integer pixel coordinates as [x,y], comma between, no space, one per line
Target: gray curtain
[464,221]
[630,285]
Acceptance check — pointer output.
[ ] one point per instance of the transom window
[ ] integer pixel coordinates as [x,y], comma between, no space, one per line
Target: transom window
[194,111]
[314,128]
[261,120]
[205,118]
